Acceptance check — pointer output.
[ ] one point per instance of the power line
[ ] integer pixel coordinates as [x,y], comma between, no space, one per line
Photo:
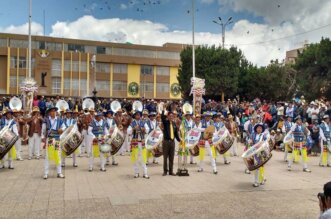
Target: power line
[286,37]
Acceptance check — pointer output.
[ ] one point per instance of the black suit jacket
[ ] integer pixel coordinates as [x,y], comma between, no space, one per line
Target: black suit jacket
[166,128]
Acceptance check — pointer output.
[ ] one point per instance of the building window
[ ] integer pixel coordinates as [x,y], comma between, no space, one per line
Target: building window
[103,67]
[13,62]
[3,42]
[42,45]
[54,46]
[162,87]
[162,70]
[56,68]
[90,49]
[75,84]
[83,87]
[19,43]
[119,85]
[66,85]
[120,68]
[101,50]
[83,66]
[146,69]
[147,87]
[56,85]
[75,66]
[76,48]
[168,55]
[103,85]
[67,65]
[13,81]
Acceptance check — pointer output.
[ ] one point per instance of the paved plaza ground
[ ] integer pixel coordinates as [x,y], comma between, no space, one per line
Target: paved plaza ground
[116,194]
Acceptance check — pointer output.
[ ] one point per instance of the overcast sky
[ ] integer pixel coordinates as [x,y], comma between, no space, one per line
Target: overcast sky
[263,29]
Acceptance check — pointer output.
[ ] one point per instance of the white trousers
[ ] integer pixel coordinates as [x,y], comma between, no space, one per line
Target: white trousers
[18,146]
[126,144]
[46,163]
[321,156]
[91,160]
[210,154]
[140,162]
[7,158]
[304,164]
[234,147]
[34,145]
[74,159]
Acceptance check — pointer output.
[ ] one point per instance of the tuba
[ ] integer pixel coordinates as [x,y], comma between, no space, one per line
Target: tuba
[88,104]
[15,104]
[115,106]
[187,108]
[137,106]
[62,105]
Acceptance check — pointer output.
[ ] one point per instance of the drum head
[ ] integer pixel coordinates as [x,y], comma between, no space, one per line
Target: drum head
[153,139]
[220,136]
[254,149]
[192,138]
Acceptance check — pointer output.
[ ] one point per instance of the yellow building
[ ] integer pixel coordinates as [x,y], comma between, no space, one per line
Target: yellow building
[68,67]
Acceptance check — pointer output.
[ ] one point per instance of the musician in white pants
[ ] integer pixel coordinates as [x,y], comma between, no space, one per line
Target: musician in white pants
[18,115]
[69,121]
[97,130]
[35,127]
[8,120]
[52,128]
[111,125]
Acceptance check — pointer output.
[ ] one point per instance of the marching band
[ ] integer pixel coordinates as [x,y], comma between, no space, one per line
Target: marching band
[103,134]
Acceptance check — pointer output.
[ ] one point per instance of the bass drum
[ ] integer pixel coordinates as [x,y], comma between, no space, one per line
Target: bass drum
[153,142]
[192,138]
[195,151]
[226,141]
[70,139]
[116,141]
[7,140]
[257,155]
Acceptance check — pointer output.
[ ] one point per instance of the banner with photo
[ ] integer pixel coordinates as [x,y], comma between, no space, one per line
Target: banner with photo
[198,89]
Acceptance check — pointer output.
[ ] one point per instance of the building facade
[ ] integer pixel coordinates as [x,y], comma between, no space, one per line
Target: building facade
[69,67]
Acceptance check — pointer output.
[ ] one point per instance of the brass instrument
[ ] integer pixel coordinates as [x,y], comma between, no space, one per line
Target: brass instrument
[115,106]
[62,105]
[187,108]
[137,106]
[15,104]
[88,104]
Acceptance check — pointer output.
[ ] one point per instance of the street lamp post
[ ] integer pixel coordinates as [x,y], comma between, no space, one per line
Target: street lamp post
[223,25]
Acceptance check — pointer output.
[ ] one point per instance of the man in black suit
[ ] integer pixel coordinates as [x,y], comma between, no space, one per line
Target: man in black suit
[170,132]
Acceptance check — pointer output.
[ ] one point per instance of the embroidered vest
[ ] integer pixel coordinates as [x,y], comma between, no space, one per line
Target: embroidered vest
[326,130]
[52,131]
[98,129]
[298,133]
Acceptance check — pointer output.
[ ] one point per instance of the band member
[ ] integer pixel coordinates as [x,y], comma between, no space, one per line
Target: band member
[187,125]
[69,121]
[83,123]
[325,138]
[300,133]
[257,136]
[8,120]
[122,120]
[51,130]
[220,123]
[111,125]
[286,128]
[250,132]
[138,150]
[97,129]
[152,125]
[35,124]
[205,142]
[232,126]
[170,132]
[20,123]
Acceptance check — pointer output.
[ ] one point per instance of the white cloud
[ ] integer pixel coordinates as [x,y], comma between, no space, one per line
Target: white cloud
[123,6]
[36,29]
[207,1]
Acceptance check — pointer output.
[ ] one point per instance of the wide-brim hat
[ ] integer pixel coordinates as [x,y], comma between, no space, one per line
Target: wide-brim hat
[145,112]
[5,111]
[135,112]
[51,108]
[35,109]
[99,114]
[68,111]
[259,125]
[152,114]
[326,117]
[198,116]
[188,113]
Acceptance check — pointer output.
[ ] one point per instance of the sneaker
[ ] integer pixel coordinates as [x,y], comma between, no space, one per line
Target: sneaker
[60,175]
[90,169]
[38,158]
[103,169]
[114,164]
[306,170]
[328,165]
[192,162]
[136,175]
[29,158]
[256,185]
[247,171]
[321,165]
[145,176]
[11,167]
[19,159]
[263,181]
[289,168]
[215,172]
[45,176]
[63,165]
[227,162]
[155,162]
[75,165]
[200,170]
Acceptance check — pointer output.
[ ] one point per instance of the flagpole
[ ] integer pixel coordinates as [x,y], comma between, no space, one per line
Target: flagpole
[30,18]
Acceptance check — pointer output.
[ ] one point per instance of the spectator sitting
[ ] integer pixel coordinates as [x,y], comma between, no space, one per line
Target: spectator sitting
[325,201]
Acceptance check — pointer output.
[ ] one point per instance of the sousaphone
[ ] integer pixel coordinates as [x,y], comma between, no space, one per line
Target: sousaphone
[187,108]
[62,105]
[88,104]
[137,106]
[115,106]
[15,104]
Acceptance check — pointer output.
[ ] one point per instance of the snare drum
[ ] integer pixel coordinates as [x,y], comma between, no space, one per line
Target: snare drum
[257,155]
[153,142]
[70,139]
[192,138]
[7,140]
[116,140]
[224,142]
